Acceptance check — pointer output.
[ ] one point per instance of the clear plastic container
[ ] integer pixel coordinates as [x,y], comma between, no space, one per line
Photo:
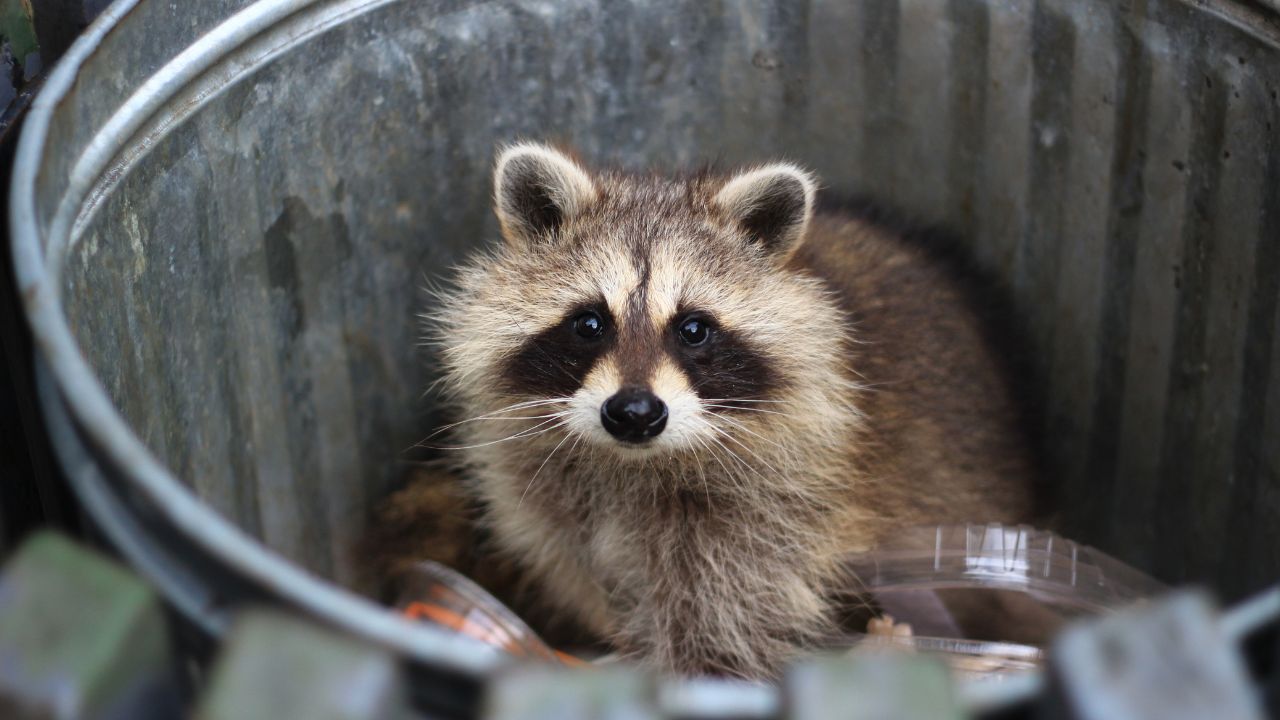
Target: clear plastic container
[433,593]
[987,598]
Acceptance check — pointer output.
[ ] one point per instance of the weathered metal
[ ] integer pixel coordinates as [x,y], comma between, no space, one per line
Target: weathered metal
[222,215]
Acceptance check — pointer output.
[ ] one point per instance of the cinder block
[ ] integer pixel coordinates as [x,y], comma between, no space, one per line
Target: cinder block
[538,692]
[80,637]
[1169,660]
[876,685]
[285,668]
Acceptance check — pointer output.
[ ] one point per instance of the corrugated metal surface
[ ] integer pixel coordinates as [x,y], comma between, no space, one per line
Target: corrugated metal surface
[246,288]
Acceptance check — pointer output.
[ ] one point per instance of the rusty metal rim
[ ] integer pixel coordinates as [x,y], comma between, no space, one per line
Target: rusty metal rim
[1260,19]
[87,399]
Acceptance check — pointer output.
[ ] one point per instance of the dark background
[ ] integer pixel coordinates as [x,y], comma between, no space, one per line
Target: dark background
[32,493]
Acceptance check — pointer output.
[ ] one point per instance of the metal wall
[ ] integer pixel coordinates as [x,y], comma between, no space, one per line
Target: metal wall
[244,278]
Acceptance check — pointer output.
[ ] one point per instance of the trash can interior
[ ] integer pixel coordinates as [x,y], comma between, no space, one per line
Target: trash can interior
[246,274]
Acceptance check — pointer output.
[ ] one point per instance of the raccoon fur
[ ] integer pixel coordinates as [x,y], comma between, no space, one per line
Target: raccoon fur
[682,400]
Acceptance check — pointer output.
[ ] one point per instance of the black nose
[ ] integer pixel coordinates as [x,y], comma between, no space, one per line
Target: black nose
[634,415]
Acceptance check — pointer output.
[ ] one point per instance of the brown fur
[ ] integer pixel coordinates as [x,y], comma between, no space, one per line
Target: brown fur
[868,400]
[942,425]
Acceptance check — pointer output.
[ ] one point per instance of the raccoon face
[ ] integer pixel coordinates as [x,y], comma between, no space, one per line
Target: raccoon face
[647,315]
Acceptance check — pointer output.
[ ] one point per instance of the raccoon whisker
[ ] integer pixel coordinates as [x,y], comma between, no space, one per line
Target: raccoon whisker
[856,386]
[750,452]
[549,455]
[729,474]
[531,432]
[702,475]
[736,457]
[526,433]
[539,470]
[751,432]
[531,403]
[648,466]
[496,414]
[747,409]
[432,387]
[420,444]
[544,418]
[744,400]
[752,455]
[874,387]
[538,401]
[505,418]
[563,413]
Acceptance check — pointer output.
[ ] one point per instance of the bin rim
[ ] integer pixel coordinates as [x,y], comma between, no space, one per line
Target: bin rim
[80,393]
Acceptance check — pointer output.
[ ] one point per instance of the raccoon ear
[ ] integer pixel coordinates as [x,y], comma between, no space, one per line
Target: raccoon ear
[537,189]
[772,204]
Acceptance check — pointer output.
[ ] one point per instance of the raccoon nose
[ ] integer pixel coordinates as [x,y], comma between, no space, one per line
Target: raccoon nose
[634,415]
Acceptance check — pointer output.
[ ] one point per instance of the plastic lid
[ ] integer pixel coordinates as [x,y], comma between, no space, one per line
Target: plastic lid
[1018,580]
[431,592]
[1023,559]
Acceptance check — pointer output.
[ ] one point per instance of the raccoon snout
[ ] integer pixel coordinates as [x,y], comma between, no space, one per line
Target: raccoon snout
[634,415]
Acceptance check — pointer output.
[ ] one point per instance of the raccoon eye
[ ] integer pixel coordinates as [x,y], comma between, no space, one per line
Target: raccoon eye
[588,325]
[694,331]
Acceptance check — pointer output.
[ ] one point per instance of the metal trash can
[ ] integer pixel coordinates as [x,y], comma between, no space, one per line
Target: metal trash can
[222,213]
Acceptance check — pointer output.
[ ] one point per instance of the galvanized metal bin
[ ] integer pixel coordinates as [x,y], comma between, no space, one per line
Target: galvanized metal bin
[223,212]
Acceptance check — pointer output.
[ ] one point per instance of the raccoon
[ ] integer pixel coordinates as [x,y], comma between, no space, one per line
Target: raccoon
[682,400]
